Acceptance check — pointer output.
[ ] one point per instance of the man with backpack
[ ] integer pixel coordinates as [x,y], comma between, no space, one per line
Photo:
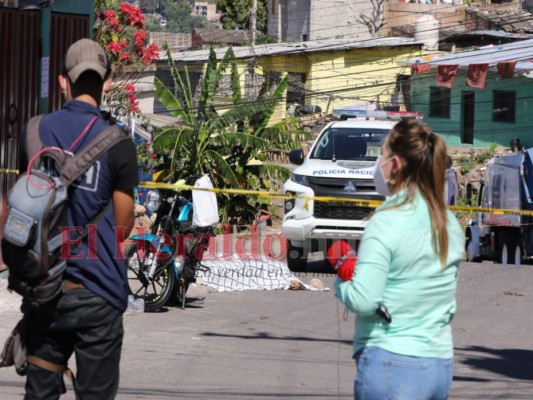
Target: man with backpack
[86,319]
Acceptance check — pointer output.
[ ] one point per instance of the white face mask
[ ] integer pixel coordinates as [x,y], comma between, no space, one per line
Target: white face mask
[380,182]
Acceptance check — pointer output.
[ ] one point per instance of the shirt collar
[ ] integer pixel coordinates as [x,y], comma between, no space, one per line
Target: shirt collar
[81,106]
[395,199]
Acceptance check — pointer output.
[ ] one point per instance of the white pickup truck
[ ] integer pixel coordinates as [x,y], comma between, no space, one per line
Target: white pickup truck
[340,165]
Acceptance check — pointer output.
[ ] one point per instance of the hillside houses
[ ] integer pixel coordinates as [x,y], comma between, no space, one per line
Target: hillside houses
[326,73]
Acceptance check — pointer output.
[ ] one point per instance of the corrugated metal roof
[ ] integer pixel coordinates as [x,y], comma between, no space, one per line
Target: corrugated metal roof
[142,127]
[225,36]
[245,52]
[490,33]
[508,20]
[521,51]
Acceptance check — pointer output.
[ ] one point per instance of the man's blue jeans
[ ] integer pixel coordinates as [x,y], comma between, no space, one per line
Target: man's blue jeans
[382,375]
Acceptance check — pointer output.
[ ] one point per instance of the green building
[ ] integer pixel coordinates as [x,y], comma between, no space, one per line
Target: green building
[469,116]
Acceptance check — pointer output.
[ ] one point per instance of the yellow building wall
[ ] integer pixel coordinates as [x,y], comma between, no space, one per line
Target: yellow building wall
[337,78]
[340,78]
[357,76]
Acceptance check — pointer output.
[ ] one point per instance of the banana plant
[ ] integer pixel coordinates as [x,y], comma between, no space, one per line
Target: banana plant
[222,144]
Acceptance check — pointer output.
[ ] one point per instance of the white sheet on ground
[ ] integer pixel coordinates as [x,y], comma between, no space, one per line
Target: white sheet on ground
[262,273]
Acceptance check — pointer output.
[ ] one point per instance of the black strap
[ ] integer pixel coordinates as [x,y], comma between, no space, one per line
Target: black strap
[96,219]
[33,140]
[77,165]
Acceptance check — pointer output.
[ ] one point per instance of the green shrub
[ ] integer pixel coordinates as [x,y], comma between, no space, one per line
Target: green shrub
[466,165]
[487,154]
[463,202]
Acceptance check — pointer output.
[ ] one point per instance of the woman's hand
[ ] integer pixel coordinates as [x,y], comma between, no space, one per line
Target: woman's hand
[342,259]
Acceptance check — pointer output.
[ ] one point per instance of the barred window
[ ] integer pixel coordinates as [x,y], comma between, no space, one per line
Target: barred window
[503,106]
[439,102]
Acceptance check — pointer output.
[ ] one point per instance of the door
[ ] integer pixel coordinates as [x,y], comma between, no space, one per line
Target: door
[19,82]
[467,116]
[65,30]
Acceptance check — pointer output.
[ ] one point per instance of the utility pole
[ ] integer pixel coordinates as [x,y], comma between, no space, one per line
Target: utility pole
[253,20]
[251,63]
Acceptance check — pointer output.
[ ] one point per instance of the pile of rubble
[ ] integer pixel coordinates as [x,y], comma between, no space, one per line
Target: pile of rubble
[474,172]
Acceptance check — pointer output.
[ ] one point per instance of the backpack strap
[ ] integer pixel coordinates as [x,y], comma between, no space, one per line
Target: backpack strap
[76,166]
[33,139]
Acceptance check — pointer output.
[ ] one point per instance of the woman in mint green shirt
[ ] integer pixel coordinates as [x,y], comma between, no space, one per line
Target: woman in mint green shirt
[407,261]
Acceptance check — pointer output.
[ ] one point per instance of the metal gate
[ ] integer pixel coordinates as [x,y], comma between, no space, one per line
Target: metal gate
[65,30]
[20,54]
[20,51]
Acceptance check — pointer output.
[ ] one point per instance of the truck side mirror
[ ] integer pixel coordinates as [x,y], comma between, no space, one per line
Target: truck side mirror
[296,156]
[469,194]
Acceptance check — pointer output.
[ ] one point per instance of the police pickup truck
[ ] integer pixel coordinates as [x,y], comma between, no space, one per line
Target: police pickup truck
[340,165]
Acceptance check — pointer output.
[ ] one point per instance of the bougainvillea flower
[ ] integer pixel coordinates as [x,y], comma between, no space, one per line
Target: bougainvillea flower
[113,47]
[139,37]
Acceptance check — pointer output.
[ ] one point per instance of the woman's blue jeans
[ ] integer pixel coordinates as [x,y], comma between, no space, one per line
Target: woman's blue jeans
[382,375]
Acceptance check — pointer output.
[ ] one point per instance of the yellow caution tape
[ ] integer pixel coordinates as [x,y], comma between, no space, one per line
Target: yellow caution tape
[358,202]
[495,211]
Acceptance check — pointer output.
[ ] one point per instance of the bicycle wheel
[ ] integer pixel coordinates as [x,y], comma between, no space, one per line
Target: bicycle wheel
[154,291]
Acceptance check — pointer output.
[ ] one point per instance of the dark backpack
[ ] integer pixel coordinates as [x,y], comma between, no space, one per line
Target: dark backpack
[38,206]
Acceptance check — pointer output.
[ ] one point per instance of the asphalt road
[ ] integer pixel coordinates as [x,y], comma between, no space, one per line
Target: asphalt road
[297,345]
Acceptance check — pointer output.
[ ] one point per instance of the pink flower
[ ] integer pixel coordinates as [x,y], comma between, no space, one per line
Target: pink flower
[125,58]
[139,37]
[129,88]
[110,18]
[133,15]
[134,107]
[108,15]
[150,53]
[113,47]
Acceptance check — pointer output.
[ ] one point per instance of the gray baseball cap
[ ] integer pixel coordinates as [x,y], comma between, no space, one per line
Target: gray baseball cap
[85,55]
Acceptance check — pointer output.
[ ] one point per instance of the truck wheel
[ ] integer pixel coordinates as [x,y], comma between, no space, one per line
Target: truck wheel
[470,251]
[517,254]
[503,253]
[510,253]
[295,258]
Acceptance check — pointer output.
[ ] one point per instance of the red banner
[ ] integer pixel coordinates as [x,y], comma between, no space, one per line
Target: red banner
[477,75]
[421,68]
[446,75]
[506,69]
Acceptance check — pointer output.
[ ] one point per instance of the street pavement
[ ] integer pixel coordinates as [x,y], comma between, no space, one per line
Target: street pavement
[297,344]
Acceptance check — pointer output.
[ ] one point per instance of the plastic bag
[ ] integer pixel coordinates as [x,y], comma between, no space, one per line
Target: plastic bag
[205,206]
[14,351]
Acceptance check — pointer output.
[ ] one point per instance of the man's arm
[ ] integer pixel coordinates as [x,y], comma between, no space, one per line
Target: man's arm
[123,165]
[123,205]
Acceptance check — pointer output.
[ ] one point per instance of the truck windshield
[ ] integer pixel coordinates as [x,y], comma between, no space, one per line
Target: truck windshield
[349,144]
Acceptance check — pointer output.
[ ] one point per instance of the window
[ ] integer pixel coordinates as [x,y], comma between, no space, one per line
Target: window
[503,106]
[273,80]
[439,102]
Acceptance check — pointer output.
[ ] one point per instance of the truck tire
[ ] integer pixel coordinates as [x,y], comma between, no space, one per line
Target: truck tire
[470,250]
[510,252]
[517,254]
[295,258]
[503,253]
